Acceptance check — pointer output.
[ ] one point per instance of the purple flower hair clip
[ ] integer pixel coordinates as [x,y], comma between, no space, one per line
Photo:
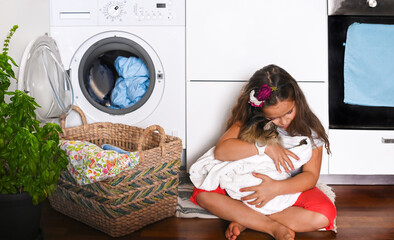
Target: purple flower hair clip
[263,94]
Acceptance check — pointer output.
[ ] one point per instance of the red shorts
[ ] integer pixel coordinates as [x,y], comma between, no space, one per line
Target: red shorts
[197,191]
[312,199]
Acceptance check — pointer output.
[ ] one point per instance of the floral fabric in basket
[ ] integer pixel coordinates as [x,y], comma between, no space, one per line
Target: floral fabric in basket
[89,163]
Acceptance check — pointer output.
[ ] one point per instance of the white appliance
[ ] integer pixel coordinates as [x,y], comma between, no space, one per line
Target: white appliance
[361,135]
[83,33]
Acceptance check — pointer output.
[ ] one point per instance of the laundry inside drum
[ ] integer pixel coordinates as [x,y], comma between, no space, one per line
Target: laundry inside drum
[117,79]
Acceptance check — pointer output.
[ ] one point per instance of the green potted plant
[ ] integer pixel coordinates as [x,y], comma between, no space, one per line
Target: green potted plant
[30,157]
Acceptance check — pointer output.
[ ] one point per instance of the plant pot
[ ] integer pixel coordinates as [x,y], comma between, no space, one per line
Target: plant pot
[19,218]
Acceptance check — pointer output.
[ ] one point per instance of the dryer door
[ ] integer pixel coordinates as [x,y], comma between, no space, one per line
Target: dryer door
[43,77]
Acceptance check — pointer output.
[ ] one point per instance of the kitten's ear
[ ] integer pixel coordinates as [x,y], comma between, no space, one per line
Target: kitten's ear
[269,125]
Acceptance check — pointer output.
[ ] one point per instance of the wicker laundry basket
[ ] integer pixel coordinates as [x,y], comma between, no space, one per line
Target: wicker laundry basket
[132,199]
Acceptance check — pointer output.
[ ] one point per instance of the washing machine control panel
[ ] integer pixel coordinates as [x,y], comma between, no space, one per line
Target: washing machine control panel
[117,12]
[140,12]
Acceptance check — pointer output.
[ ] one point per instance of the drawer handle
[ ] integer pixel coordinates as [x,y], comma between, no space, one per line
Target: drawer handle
[387,140]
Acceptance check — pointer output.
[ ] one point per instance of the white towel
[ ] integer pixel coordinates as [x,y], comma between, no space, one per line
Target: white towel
[208,173]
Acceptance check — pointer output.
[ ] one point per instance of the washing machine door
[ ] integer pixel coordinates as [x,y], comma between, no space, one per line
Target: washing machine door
[43,77]
[104,48]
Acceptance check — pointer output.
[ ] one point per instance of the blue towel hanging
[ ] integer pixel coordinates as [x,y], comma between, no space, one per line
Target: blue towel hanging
[369,65]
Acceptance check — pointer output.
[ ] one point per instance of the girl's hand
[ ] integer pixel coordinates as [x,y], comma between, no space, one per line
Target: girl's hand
[263,193]
[280,156]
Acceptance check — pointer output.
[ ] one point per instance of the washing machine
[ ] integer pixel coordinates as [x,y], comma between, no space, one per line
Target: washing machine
[74,64]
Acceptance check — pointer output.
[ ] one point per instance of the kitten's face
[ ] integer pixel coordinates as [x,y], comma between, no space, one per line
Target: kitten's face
[269,135]
[259,130]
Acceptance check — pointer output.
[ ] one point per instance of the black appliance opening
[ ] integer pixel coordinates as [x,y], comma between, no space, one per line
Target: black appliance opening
[347,116]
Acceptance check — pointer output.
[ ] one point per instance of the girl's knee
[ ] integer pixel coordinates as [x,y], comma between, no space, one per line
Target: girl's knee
[320,221]
[316,201]
[325,216]
[203,199]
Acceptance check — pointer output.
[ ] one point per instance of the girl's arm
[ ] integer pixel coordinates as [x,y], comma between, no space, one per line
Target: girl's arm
[230,148]
[270,188]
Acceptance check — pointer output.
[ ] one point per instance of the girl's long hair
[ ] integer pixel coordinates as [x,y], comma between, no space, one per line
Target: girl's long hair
[287,89]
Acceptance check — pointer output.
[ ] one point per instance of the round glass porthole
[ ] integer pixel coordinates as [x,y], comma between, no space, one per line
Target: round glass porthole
[43,77]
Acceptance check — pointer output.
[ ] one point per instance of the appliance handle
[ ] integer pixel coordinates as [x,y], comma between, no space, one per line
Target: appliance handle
[387,140]
[372,3]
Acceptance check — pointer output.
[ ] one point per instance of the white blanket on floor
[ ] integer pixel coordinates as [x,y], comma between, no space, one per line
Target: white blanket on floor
[208,173]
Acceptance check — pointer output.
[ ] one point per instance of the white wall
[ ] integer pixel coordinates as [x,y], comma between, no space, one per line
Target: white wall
[32,17]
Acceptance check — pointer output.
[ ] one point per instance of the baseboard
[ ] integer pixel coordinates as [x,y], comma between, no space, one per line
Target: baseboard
[344,179]
[331,179]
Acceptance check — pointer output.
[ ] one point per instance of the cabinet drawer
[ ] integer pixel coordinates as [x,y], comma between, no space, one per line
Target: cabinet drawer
[361,152]
[229,40]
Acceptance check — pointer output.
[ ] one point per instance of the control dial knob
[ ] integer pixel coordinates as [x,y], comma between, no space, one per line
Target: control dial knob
[113,10]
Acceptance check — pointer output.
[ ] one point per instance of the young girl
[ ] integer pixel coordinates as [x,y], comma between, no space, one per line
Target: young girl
[284,103]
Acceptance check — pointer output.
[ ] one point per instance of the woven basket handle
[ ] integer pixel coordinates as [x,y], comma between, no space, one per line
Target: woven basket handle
[81,114]
[147,131]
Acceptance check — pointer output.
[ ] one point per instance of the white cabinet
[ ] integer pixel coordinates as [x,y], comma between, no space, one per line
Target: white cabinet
[316,95]
[230,39]
[209,106]
[361,152]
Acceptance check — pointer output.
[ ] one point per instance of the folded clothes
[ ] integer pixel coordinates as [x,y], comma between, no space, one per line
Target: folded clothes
[89,163]
[113,148]
[368,65]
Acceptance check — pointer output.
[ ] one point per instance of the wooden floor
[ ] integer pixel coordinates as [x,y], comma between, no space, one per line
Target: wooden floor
[364,212]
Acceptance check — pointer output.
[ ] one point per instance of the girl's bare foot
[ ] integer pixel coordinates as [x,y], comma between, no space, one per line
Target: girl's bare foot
[233,230]
[280,232]
[283,233]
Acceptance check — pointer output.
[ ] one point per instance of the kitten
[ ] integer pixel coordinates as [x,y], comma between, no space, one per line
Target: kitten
[263,131]
[259,129]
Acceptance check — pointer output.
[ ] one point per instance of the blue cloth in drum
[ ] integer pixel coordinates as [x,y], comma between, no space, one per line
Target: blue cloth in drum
[132,84]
